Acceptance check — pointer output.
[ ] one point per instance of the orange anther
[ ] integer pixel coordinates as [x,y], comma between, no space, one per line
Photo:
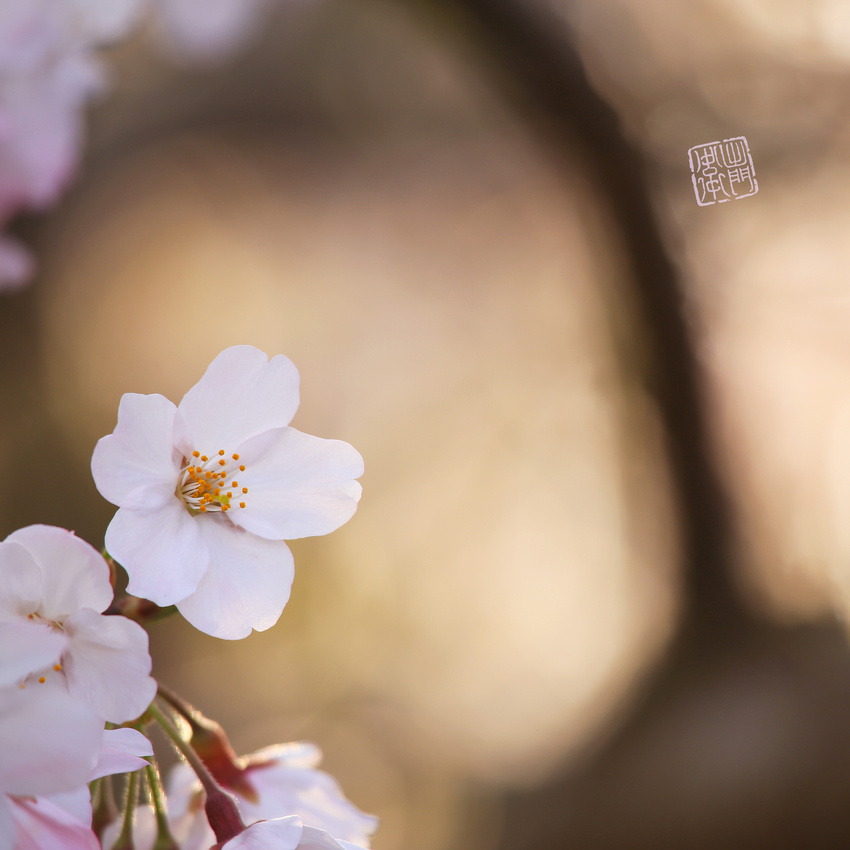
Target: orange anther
[241,504]
[241,468]
[203,510]
[236,457]
[222,462]
[41,680]
[235,483]
[244,489]
[221,452]
[196,454]
[204,458]
[57,667]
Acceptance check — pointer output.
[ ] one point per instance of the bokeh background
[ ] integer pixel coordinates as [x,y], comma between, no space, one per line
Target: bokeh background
[482,652]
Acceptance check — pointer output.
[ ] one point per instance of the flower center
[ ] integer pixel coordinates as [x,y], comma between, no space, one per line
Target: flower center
[209,484]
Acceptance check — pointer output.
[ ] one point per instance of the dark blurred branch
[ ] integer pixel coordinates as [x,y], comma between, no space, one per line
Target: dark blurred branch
[530,54]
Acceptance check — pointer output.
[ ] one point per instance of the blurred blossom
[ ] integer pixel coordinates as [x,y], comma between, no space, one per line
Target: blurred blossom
[275,782]
[49,71]
[208,29]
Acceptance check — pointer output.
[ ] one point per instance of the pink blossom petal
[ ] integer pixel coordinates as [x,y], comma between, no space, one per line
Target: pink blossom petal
[16,265]
[7,823]
[20,582]
[302,754]
[241,394]
[278,834]
[162,551]
[49,740]
[121,751]
[298,485]
[27,647]
[315,796]
[318,839]
[107,665]
[42,825]
[246,585]
[136,466]
[209,29]
[76,803]
[74,574]
[107,21]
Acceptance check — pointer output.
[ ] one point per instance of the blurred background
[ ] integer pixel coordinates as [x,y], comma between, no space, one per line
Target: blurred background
[483,652]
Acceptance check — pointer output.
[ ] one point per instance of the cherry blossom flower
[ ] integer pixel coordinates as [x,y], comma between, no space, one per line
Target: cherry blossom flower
[49,743]
[42,824]
[208,29]
[53,582]
[62,821]
[285,834]
[209,490]
[273,782]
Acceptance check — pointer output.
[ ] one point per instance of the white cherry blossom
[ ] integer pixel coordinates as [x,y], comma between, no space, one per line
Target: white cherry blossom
[62,820]
[285,834]
[49,743]
[51,582]
[274,782]
[209,490]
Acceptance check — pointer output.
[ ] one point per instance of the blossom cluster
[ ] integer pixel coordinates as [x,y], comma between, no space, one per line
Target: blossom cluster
[50,68]
[207,491]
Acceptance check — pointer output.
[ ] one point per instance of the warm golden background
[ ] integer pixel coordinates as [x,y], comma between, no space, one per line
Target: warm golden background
[353,191]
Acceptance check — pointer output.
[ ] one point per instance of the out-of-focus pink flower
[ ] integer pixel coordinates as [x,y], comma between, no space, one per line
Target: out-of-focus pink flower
[41,824]
[285,834]
[208,29]
[274,782]
[48,71]
[51,581]
[49,743]
[62,820]
[209,490]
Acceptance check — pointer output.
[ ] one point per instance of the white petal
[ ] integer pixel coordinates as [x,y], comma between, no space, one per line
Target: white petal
[298,485]
[161,550]
[76,803]
[107,665]
[314,796]
[293,754]
[26,647]
[121,751]
[137,465]
[7,823]
[16,265]
[74,574]
[246,585]
[49,740]
[318,839]
[20,582]
[42,825]
[278,834]
[242,394]
[207,30]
